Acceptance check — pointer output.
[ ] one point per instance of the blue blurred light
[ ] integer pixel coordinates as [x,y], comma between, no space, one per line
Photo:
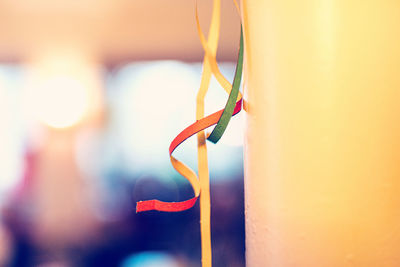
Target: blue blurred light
[11,128]
[150,103]
[150,259]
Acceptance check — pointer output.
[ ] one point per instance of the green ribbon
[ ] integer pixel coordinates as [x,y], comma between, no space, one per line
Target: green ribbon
[223,122]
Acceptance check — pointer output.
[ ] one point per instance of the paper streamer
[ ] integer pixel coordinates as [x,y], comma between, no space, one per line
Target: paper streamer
[220,118]
[202,161]
[211,58]
[219,130]
[180,138]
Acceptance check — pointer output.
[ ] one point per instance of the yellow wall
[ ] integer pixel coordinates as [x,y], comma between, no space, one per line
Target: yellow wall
[322,154]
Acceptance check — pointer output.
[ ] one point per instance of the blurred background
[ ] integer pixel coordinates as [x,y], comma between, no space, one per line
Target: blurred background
[91,94]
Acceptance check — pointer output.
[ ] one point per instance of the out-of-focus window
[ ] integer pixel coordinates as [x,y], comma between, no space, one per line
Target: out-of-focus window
[11,129]
[150,103]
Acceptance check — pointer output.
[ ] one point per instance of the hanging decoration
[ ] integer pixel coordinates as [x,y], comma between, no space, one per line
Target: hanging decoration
[221,118]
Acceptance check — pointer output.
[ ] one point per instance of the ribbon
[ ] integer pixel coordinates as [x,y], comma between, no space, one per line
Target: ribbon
[221,118]
[189,131]
[228,111]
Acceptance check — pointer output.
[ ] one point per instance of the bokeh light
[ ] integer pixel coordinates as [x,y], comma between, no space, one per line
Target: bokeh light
[151,103]
[60,88]
[60,101]
[150,259]
[11,129]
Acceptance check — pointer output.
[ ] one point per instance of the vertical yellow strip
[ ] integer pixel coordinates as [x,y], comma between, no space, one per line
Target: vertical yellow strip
[201,139]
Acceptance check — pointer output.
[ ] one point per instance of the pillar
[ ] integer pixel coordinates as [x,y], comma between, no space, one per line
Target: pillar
[322,148]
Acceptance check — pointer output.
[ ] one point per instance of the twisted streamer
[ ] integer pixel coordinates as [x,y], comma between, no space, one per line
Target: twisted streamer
[221,118]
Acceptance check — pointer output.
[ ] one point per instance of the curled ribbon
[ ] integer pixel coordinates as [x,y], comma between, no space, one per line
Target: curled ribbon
[220,118]
[180,138]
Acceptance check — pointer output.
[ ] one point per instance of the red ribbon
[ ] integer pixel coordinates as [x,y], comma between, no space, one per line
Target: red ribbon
[189,131]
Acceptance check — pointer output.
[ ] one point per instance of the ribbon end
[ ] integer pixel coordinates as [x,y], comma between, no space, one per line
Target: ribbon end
[158,205]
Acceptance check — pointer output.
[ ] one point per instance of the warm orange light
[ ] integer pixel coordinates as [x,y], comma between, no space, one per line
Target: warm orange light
[60,101]
[60,89]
